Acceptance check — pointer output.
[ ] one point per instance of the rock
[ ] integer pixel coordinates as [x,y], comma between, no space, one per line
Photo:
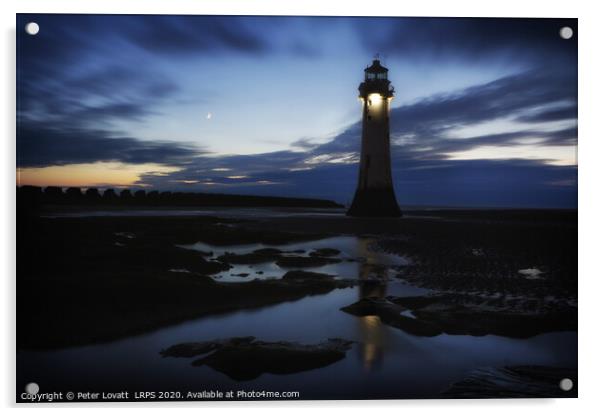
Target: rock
[460,314]
[269,254]
[303,275]
[240,274]
[256,257]
[192,349]
[246,358]
[268,251]
[391,314]
[301,262]
[325,252]
[178,258]
[208,267]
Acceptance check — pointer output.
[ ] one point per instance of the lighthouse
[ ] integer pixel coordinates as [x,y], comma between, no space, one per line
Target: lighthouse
[375,196]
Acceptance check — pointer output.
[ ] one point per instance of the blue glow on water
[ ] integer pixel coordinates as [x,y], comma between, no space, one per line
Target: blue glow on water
[384,361]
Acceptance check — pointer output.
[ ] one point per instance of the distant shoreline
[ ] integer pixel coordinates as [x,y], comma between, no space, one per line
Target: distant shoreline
[34,196]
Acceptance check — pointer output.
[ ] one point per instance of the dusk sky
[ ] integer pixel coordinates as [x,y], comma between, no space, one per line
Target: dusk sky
[484,114]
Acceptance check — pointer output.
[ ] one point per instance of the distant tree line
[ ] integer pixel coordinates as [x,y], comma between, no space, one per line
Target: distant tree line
[54,195]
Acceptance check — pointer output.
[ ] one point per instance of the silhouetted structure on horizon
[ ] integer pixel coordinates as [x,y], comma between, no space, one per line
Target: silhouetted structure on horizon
[375,196]
[52,195]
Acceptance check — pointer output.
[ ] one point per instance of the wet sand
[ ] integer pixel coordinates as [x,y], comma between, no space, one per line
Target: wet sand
[87,280]
[94,279]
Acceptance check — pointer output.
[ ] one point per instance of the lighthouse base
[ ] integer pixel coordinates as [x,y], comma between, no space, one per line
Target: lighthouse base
[374,203]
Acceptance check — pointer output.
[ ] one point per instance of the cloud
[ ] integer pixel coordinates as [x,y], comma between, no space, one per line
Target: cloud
[422,169]
[89,71]
[428,122]
[469,38]
[73,89]
[40,145]
[99,96]
[564,113]
[175,35]
[62,121]
[510,183]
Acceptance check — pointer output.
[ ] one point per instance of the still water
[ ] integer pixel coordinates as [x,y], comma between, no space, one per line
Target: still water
[384,362]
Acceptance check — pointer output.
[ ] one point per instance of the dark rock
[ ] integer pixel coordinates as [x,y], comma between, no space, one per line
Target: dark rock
[246,359]
[391,314]
[443,256]
[128,290]
[192,349]
[301,262]
[268,251]
[208,267]
[460,314]
[249,258]
[303,275]
[325,252]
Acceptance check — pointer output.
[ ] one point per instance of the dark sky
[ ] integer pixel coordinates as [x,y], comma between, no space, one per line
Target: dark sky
[485,112]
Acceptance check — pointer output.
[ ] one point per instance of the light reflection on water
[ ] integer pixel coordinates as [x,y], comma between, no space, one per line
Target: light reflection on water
[357,259]
[384,363]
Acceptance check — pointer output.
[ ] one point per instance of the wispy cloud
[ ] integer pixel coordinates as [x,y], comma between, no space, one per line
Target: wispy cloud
[103,89]
[433,160]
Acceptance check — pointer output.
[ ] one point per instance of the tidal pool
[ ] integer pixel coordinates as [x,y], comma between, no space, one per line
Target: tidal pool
[358,259]
[384,362]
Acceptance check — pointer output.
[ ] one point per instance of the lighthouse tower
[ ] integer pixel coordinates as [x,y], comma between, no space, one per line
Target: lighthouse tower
[375,196]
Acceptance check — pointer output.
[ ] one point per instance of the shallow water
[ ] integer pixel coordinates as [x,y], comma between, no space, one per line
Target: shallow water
[357,259]
[384,362]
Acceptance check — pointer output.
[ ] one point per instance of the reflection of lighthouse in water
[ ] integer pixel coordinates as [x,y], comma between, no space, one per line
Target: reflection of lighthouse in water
[373,333]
